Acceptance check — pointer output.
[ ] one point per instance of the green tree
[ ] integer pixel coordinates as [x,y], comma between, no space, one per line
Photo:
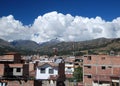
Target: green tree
[78,74]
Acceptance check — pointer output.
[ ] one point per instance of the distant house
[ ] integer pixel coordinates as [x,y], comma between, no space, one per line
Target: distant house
[69,66]
[51,73]
[10,57]
[45,70]
[13,72]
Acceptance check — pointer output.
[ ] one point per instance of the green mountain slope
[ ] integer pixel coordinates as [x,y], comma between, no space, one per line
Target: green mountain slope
[95,46]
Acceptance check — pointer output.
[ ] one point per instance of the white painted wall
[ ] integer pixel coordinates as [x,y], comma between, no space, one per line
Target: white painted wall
[17,73]
[103,84]
[45,75]
[69,71]
[69,68]
[69,65]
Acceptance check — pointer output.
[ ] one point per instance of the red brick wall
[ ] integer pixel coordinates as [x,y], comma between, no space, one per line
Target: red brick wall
[111,64]
[87,80]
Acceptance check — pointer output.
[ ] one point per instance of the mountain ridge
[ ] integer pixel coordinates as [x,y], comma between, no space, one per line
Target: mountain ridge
[94,46]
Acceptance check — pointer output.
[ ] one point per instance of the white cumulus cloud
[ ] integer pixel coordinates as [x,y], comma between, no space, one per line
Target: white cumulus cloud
[57,25]
[11,29]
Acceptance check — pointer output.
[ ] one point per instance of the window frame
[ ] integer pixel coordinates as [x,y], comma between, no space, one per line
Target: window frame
[51,71]
[42,70]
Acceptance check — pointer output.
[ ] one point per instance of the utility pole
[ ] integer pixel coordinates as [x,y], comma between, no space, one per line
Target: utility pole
[73,48]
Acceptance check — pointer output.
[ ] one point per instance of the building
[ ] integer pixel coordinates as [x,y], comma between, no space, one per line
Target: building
[69,65]
[45,70]
[51,73]
[14,72]
[101,70]
[78,62]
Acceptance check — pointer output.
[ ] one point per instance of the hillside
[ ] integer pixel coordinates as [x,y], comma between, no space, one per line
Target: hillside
[95,46]
[25,44]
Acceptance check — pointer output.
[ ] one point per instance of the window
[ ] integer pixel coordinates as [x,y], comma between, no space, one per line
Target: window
[42,70]
[51,71]
[76,64]
[70,62]
[89,57]
[69,68]
[89,76]
[18,70]
[100,83]
[109,66]
[89,67]
[103,67]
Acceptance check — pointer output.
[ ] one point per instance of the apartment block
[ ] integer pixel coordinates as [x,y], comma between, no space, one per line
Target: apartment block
[101,70]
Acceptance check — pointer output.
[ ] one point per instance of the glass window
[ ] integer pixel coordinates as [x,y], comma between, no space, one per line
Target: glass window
[89,67]
[89,57]
[69,68]
[18,70]
[89,76]
[103,67]
[42,70]
[51,71]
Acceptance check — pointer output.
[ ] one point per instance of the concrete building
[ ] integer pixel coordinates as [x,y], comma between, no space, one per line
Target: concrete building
[51,73]
[45,70]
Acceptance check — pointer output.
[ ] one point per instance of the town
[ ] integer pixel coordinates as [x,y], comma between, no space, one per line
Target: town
[86,70]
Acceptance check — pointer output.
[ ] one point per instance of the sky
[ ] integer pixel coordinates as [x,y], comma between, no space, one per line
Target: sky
[67,20]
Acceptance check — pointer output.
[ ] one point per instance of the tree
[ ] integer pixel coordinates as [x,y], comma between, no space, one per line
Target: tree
[78,74]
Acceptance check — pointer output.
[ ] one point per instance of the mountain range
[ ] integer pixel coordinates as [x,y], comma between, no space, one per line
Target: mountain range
[95,46]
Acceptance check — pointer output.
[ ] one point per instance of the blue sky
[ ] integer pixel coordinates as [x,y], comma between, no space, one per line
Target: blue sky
[67,20]
[27,10]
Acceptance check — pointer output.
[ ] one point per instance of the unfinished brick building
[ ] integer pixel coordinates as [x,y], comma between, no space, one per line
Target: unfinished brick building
[101,70]
[13,72]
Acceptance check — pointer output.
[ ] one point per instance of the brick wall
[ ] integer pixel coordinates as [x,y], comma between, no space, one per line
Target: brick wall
[100,65]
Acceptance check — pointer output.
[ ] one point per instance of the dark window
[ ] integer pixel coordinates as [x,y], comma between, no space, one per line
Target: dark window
[89,76]
[51,71]
[42,70]
[103,67]
[109,66]
[88,66]
[89,57]
[100,83]
[77,60]
[76,64]
[69,67]
[18,69]
[70,62]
